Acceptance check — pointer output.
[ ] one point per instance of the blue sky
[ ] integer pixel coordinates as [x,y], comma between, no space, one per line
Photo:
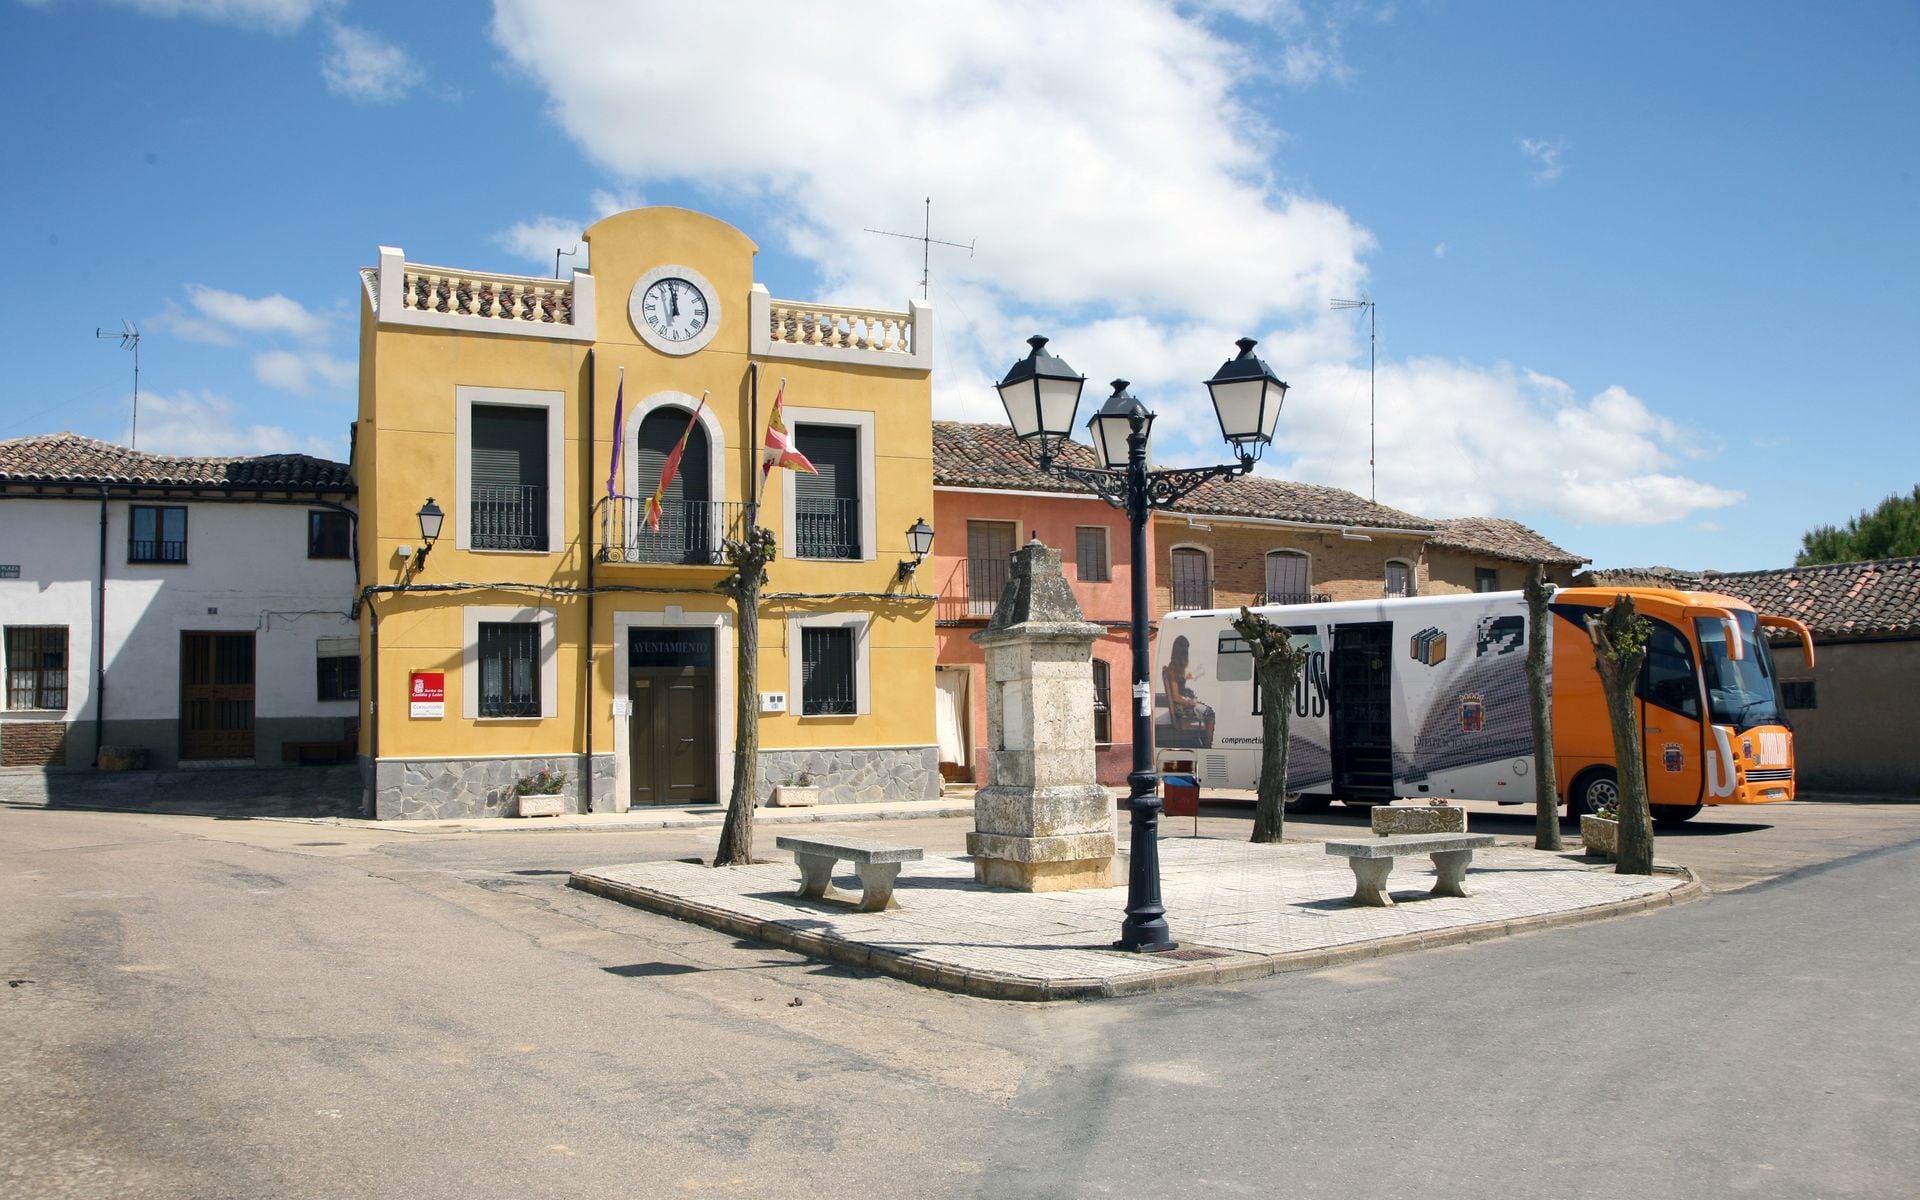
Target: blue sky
[1644,273]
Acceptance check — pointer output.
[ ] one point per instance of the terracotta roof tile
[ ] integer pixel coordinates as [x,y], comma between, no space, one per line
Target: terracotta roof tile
[1877,598]
[1501,538]
[987,455]
[70,458]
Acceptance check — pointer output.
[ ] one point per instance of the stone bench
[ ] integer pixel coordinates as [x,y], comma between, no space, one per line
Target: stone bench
[878,865]
[1372,860]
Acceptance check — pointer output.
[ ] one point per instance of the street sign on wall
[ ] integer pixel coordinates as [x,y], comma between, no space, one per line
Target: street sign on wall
[427,694]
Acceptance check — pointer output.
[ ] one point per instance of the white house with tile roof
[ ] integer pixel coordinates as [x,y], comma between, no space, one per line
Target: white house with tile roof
[182,609]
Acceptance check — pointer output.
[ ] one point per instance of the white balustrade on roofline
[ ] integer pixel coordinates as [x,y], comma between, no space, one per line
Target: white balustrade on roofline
[800,329]
[482,301]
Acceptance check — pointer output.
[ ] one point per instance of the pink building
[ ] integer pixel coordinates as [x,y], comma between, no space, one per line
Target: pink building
[988,500]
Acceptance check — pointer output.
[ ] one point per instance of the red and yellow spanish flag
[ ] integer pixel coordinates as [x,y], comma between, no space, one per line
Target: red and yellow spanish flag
[779,450]
[671,468]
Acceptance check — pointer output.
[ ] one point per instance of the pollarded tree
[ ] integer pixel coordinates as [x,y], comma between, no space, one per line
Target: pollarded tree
[1619,647]
[1276,665]
[748,556]
[1546,798]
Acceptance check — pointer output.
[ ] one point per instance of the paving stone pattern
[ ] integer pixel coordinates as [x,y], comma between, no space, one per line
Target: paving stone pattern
[1234,897]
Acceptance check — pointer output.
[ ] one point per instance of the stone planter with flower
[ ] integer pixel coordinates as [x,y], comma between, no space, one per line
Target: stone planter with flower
[1600,832]
[541,794]
[797,792]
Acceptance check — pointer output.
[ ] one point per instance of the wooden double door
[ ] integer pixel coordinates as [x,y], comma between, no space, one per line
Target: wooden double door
[216,695]
[670,727]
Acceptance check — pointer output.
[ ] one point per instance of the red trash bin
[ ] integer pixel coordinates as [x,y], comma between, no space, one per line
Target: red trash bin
[1180,797]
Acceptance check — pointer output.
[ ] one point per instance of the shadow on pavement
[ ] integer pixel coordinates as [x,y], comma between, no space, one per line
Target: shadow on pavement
[239,793]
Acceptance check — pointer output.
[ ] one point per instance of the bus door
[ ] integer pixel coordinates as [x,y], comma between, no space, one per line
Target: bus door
[1672,734]
[1361,687]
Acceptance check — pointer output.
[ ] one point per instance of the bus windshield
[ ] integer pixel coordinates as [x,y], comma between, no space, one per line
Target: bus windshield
[1739,692]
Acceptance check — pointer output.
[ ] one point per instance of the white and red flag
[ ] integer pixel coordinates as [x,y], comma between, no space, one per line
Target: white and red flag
[779,450]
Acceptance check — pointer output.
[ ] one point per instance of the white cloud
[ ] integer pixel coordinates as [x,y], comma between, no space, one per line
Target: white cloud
[1457,440]
[362,65]
[1440,250]
[1546,154]
[302,372]
[1123,199]
[219,317]
[1102,152]
[204,423]
[538,237]
[273,16]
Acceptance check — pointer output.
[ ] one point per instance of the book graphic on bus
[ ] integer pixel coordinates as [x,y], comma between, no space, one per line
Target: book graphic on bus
[1429,646]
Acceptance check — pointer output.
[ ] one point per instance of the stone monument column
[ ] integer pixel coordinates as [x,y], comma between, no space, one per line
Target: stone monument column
[1044,824]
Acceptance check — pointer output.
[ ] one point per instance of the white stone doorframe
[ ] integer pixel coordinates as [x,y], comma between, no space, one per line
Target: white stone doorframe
[673,617]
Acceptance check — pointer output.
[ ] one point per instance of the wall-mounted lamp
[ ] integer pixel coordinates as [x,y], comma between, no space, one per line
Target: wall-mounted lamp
[920,541]
[430,519]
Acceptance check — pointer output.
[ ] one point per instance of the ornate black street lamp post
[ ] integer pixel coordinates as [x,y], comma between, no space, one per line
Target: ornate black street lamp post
[1042,397]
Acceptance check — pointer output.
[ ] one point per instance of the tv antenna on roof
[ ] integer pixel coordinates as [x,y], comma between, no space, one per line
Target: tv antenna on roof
[129,335]
[1373,476]
[557,252]
[927,243]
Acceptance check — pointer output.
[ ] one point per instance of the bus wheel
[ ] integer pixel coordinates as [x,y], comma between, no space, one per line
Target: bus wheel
[1674,814]
[1597,788]
[1309,803]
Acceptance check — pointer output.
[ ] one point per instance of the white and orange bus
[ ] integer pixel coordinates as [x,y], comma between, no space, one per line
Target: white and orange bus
[1427,697]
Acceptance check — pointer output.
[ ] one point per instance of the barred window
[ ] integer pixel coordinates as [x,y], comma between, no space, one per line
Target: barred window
[1486,579]
[1798,693]
[36,666]
[1090,554]
[1192,586]
[509,669]
[1399,578]
[1102,703]
[826,672]
[337,669]
[827,518]
[1289,577]
[989,546]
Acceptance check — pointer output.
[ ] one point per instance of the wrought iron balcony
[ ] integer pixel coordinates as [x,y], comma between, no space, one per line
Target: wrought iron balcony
[508,517]
[826,528]
[691,533]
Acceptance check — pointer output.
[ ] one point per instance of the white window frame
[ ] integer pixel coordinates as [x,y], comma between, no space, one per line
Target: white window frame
[1413,577]
[860,624]
[555,405]
[1290,551]
[472,617]
[1173,584]
[869,501]
[1106,549]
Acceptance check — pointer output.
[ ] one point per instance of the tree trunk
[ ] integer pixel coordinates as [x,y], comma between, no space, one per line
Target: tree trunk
[1546,795]
[1276,664]
[749,556]
[1619,647]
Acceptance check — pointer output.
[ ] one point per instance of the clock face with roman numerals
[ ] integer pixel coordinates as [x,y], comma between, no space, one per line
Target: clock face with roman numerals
[673,309]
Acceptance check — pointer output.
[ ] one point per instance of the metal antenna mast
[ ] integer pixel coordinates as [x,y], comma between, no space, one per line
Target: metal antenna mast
[927,243]
[1373,474]
[129,335]
[557,252]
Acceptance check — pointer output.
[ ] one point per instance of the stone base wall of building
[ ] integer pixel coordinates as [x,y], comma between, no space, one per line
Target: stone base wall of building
[854,776]
[439,789]
[34,744]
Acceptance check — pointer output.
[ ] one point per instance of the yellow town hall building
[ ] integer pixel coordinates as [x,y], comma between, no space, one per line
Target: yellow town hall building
[545,626]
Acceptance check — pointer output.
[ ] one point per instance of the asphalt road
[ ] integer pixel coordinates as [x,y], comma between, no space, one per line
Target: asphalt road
[262,1009]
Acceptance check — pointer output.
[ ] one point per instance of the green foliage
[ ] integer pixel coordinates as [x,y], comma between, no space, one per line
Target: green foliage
[541,783]
[1890,531]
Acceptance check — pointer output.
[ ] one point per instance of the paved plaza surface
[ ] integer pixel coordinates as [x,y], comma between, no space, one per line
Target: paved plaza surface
[1242,910]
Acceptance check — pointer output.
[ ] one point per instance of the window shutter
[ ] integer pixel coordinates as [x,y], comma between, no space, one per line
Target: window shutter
[660,432]
[1090,553]
[989,546]
[827,502]
[509,446]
